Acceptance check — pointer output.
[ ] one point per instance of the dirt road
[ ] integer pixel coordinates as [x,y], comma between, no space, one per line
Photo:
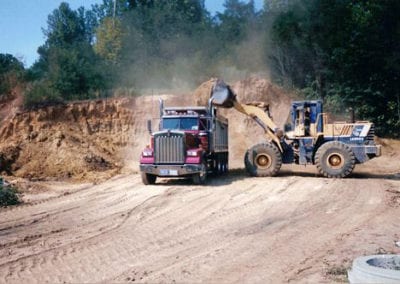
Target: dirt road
[295,227]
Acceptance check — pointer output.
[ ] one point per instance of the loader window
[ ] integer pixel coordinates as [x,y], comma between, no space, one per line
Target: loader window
[181,123]
[307,121]
[298,117]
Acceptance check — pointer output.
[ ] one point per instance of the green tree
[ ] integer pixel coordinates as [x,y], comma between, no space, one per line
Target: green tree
[67,62]
[156,36]
[11,73]
[333,49]
[236,20]
[109,39]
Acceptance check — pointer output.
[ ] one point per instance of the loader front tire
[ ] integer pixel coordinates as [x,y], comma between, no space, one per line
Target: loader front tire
[335,159]
[263,160]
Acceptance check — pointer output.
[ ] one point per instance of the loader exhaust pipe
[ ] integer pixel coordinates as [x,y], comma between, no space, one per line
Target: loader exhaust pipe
[161,102]
[352,115]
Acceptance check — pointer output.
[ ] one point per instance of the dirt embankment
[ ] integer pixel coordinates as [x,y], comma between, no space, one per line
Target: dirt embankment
[10,103]
[94,139]
[71,140]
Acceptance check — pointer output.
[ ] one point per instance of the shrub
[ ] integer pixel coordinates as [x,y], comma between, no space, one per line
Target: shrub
[11,73]
[41,94]
[8,196]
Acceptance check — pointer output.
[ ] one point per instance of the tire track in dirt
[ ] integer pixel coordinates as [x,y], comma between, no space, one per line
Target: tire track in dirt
[66,253]
[235,229]
[170,244]
[73,230]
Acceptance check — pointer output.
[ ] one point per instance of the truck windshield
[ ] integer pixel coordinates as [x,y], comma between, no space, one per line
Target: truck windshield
[181,123]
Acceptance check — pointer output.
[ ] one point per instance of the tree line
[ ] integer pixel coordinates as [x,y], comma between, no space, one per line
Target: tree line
[345,52]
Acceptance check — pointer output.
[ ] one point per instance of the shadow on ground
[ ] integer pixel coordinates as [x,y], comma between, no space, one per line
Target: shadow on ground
[238,174]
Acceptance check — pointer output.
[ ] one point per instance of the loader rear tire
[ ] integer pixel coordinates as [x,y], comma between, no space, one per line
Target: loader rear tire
[148,178]
[263,160]
[335,159]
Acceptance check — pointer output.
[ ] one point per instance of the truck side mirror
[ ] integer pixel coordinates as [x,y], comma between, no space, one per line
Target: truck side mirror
[149,126]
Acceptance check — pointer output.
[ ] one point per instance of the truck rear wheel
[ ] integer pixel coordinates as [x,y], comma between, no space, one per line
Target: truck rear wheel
[148,178]
[335,159]
[220,164]
[217,166]
[224,163]
[263,160]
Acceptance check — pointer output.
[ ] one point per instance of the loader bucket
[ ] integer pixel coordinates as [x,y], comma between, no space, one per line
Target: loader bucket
[222,95]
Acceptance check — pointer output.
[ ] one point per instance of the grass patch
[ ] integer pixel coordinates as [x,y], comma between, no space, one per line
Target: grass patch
[338,273]
[8,195]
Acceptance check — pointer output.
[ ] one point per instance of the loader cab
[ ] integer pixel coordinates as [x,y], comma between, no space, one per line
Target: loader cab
[307,118]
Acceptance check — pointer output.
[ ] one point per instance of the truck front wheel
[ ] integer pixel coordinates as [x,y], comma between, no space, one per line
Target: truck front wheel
[200,178]
[335,159]
[148,178]
[263,160]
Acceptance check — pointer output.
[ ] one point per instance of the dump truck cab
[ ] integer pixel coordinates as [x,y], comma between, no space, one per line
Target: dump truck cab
[191,142]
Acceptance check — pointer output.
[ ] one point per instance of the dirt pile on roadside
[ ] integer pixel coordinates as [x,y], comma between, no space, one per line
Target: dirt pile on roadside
[202,93]
[10,103]
[386,164]
[71,140]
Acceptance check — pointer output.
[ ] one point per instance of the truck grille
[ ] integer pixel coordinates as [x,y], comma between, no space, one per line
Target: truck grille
[169,148]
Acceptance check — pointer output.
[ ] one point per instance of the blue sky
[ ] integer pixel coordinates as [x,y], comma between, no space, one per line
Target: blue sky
[21,23]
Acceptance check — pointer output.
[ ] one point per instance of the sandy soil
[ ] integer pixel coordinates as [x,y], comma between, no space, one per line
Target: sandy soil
[297,227]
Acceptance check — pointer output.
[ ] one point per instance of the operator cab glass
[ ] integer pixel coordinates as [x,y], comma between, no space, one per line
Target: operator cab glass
[180,123]
[307,117]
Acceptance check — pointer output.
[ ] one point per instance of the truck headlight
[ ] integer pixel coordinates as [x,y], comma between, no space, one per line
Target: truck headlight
[192,153]
[147,153]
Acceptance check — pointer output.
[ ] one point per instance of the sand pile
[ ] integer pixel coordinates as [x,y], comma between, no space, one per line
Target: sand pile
[243,131]
[71,140]
[202,94]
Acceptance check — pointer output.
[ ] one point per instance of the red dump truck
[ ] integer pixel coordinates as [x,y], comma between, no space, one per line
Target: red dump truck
[191,142]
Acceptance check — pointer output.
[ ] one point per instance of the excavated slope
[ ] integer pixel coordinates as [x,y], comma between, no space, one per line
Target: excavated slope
[67,141]
[97,139]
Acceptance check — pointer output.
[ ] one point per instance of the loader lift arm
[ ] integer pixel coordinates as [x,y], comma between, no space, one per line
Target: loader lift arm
[222,95]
